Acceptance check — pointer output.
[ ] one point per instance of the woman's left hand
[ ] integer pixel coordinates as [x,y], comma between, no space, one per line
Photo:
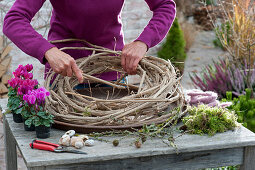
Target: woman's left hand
[131,55]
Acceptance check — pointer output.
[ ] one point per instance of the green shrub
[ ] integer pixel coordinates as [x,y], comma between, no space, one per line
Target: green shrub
[174,47]
[221,31]
[244,107]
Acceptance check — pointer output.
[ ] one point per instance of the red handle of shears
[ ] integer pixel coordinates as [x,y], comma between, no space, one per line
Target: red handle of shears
[42,145]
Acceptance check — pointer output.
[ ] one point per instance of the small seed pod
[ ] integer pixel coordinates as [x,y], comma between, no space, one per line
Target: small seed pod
[143,138]
[115,142]
[138,144]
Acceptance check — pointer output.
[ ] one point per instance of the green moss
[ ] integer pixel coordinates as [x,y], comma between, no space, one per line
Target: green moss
[174,47]
[209,120]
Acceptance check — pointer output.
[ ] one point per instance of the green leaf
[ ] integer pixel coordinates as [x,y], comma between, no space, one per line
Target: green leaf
[37,123]
[28,122]
[19,111]
[41,114]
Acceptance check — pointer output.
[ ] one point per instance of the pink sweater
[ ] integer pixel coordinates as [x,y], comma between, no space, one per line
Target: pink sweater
[97,21]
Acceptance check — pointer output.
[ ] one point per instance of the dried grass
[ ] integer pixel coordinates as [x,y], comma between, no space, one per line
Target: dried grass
[239,38]
[189,33]
[189,30]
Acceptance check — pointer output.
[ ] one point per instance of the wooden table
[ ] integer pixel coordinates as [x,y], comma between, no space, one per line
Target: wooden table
[195,152]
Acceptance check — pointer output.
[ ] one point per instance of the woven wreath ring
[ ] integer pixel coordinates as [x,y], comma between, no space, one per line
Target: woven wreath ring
[155,99]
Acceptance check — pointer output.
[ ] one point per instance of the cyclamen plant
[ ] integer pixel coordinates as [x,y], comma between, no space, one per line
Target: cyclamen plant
[35,112]
[20,85]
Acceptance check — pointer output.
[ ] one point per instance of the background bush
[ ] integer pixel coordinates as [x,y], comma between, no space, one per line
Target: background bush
[174,47]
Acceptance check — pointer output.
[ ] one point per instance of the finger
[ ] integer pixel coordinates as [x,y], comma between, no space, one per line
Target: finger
[69,71]
[134,66]
[123,62]
[77,72]
[130,66]
[63,73]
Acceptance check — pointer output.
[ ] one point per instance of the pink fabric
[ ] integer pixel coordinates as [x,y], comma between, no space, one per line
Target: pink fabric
[97,21]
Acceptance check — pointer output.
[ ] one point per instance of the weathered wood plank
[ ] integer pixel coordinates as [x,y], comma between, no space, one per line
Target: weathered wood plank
[182,161]
[38,168]
[105,152]
[10,148]
[249,156]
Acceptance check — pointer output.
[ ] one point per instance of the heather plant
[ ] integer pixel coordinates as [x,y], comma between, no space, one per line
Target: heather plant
[223,76]
[213,78]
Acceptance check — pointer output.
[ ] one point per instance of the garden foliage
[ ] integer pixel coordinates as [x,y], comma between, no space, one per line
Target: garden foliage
[236,33]
[244,107]
[174,47]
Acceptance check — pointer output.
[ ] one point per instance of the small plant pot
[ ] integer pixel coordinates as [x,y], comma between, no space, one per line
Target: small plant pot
[31,128]
[17,118]
[42,132]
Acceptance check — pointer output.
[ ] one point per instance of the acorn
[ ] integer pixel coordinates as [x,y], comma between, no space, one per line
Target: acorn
[115,142]
[138,144]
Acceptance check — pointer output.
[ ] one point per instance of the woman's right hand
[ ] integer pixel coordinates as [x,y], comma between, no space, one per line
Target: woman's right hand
[63,63]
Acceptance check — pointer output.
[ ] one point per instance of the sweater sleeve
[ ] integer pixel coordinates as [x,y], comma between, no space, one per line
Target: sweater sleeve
[18,29]
[164,12]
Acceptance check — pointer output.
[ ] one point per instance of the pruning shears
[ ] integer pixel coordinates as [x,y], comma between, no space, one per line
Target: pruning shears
[47,146]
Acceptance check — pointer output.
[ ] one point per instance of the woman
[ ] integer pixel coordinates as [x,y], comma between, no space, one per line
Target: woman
[97,21]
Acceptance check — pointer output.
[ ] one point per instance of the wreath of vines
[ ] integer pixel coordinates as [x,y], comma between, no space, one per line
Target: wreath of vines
[152,101]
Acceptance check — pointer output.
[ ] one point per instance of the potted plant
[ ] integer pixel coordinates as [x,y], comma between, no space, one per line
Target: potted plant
[18,86]
[36,113]
[14,100]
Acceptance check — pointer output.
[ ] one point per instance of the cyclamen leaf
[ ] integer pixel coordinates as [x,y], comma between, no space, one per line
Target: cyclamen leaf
[19,111]
[37,123]
[28,122]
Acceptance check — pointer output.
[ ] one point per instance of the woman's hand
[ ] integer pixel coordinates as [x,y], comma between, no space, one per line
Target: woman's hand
[63,63]
[131,55]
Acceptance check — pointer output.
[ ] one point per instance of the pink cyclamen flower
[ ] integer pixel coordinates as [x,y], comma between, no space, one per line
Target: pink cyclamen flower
[41,94]
[23,71]
[29,99]
[26,86]
[14,82]
[28,75]
[29,67]
[36,96]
